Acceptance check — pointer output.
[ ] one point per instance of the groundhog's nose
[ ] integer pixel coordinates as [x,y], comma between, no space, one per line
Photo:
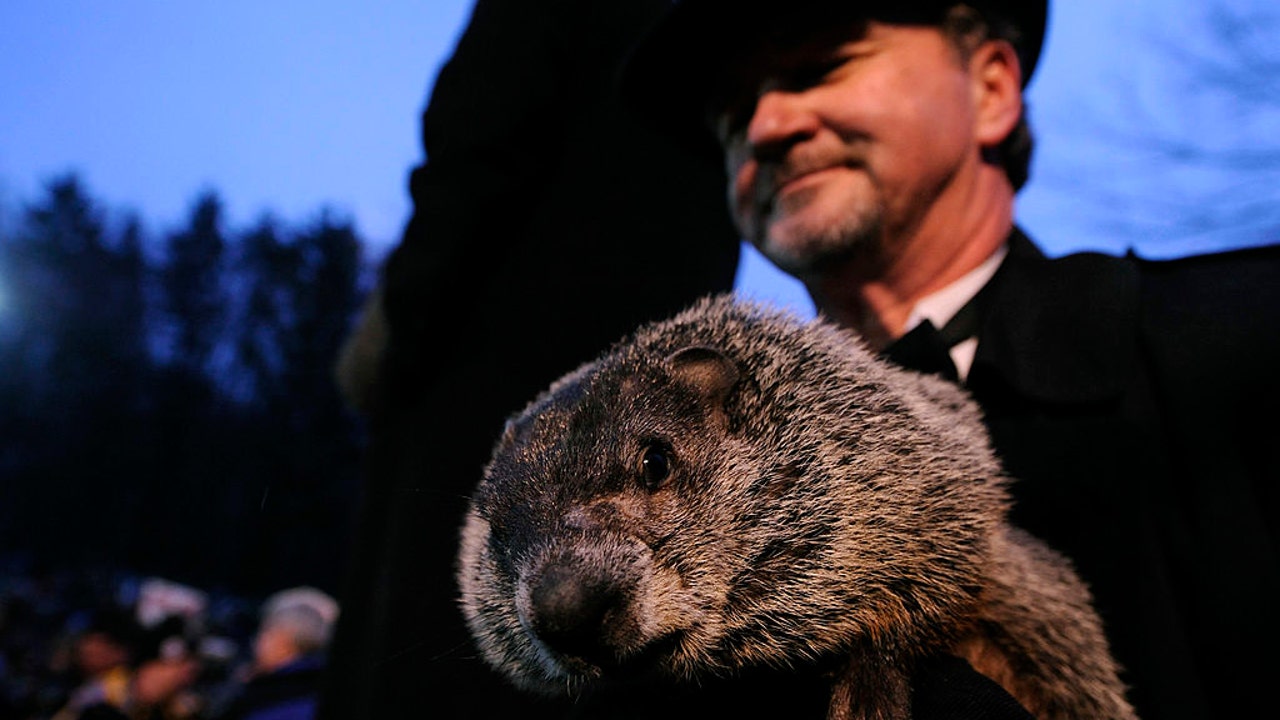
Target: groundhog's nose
[572,611]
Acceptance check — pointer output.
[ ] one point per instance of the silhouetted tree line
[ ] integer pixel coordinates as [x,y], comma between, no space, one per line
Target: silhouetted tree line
[167,403]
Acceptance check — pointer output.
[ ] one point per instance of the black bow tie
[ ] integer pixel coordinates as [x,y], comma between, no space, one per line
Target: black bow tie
[924,349]
[928,349]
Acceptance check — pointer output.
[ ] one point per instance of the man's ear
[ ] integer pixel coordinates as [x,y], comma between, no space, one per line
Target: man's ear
[997,88]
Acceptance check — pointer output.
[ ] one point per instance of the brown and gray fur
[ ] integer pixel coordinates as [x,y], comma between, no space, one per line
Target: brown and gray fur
[822,508]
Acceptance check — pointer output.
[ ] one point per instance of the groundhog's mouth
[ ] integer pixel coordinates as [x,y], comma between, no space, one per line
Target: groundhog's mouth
[658,654]
[653,661]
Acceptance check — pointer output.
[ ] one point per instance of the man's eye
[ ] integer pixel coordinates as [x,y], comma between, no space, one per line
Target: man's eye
[813,74]
[655,466]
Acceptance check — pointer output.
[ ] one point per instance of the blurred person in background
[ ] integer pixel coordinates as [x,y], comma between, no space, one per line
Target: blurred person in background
[128,671]
[289,654]
[102,661]
[164,687]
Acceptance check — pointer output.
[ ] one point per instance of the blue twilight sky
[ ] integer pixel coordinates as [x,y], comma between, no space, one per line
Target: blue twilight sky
[288,106]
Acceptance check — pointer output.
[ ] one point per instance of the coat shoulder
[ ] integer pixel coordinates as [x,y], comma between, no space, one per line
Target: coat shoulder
[1226,300]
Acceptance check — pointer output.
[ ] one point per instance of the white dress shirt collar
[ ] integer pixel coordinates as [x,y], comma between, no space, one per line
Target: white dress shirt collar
[940,306]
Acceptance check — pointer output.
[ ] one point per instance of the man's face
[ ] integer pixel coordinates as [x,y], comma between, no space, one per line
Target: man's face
[273,648]
[840,143]
[98,652]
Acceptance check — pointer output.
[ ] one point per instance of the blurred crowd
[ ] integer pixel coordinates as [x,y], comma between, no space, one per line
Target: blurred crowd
[109,645]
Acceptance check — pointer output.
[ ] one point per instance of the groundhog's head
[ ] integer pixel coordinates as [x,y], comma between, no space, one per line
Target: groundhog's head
[732,489]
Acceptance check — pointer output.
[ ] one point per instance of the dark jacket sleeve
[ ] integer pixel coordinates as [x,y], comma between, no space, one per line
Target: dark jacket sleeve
[540,199]
[948,688]
[546,225]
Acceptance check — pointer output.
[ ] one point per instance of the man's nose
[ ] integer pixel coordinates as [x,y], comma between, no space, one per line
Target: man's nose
[779,121]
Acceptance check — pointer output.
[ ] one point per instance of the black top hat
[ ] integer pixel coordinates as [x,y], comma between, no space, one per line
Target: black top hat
[667,77]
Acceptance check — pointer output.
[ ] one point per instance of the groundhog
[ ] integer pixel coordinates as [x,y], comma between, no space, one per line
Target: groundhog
[735,490]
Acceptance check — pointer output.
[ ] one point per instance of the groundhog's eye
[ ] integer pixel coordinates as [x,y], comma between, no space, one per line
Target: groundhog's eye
[655,466]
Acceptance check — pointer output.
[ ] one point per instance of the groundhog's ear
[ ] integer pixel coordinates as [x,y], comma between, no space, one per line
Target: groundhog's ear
[706,370]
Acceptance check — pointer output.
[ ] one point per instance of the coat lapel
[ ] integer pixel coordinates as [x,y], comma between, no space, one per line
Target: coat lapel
[1059,331]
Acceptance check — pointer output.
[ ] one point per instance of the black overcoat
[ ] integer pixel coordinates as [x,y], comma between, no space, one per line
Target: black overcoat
[1136,404]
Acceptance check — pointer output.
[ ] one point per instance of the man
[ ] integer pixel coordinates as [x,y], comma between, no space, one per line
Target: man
[289,653]
[874,151]
[104,656]
[132,671]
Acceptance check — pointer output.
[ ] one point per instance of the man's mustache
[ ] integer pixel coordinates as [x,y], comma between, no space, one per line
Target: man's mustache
[772,176]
